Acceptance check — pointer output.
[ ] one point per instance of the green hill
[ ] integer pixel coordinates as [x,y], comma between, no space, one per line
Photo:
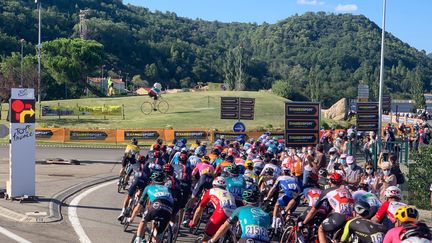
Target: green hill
[319,56]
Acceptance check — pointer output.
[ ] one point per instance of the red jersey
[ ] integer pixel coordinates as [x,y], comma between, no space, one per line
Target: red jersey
[389,209]
[222,200]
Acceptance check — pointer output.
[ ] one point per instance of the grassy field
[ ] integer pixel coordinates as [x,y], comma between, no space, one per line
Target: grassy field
[187,110]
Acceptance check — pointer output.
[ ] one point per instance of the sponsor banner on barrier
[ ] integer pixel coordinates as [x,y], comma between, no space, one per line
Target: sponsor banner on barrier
[45,134]
[228,135]
[81,110]
[141,135]
[87,135]
[190,134]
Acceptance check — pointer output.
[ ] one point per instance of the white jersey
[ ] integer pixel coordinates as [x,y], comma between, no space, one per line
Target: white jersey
[277,170]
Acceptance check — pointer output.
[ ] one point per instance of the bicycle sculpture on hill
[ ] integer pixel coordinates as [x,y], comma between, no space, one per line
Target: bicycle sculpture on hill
[158,104]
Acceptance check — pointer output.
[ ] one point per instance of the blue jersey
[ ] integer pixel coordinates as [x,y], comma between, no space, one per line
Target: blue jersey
[236,185]
[287,185]
[157,192]
[254,222]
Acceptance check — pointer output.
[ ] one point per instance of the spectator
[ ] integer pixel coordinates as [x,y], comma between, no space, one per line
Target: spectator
[395,169]
[308,167]
[353,171]
[426,136]
[320,158]
[385,180]
[369,178]
[334,157]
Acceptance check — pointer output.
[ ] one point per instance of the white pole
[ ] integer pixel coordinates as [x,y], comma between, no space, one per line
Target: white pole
[39,51]
[381,84]
[22,61]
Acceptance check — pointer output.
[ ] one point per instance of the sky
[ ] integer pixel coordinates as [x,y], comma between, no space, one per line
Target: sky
[408,20]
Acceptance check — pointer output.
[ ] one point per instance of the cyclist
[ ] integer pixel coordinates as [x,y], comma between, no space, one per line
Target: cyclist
[160,204]
[340,200]
[249,172]
[407,227]
[311,192]
[266,181]
[274,165]
[155,93]
[131,153]
[220,168]
[254,222]
[287,187]
[223,202]
[361,227]
[386,212]
[235,183]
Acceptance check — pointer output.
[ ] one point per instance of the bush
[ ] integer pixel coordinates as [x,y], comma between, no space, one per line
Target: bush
[419,179]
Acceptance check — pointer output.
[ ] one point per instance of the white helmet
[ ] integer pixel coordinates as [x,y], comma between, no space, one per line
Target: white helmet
[416,240]
[157,86]
[219,182]
[393,191]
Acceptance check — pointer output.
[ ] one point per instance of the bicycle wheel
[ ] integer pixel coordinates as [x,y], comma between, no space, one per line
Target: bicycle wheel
[146,108]
[288,236]
[120,184]
[177,229]
[163,106]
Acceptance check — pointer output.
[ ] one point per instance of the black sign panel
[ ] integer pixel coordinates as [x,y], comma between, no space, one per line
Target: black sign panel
[191,134]
[301,139]
[141,135]
[22,111]
[237,108]
[87,135]
[229,136]
[367,116]
[302,121]
[44,133]
[386,103]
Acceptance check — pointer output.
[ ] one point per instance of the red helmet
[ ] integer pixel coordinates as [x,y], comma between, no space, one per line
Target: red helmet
[156,147]
[156,154]
[183,157]
[168,168]
[163,148]
[313,177]
[336,178]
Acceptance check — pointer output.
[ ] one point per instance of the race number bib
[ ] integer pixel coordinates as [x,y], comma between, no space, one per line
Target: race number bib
[345,208]
[377,237]
[256,232]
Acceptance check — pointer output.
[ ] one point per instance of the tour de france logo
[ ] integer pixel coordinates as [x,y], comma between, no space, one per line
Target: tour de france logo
[22,111]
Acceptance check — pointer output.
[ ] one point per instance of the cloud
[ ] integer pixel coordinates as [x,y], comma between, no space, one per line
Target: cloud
[346,8]
[310,2]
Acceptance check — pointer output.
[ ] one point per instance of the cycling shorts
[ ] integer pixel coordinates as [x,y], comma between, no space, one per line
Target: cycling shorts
[249,240]
[126,161]
[215,222]
[205,182]
[334,222]
[137,183]
[286,197]
[159,212]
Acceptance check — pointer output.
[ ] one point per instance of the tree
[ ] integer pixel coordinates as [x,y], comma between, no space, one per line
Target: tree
[70,61]
[419,178]
[417,89]
[138,82]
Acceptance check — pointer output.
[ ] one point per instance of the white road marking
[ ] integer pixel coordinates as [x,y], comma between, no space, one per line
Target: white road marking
[13,236]
[72,211]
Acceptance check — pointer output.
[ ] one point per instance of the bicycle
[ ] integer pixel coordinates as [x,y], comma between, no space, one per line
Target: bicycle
[167,235]
[128,211]
[148,107]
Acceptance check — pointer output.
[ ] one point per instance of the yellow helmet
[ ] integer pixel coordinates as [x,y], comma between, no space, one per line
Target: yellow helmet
[205,159]
[248,163]
[407,214]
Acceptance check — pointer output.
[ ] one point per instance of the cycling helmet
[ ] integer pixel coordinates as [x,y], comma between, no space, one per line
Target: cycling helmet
[230,158]
[184,141]
[393,192]
[251,196]
[183,157]
[156,147]
[168,169]
[323,172]
[362,208]
[312,178]
[415,233]
[363,186]
[269,171]
[134,141]
[158,177]
[286,170]
[205,159]
[333,150]
[163,148]
[336,178]
[248,163]
[233,169]
[184,149]
[156,154]
[157,86]
[219,182]
[407,214]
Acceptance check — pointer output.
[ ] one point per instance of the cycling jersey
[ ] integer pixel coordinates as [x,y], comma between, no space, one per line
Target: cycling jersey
[203,169]
[265,183]
[221,166]
[289,188]
[393,235]
[157,193]
[365,230]
[132,150]
[236,186]
[251,174]
[276,170]
[193,161]
[254,223]
[389,209]
[312,195]
[339,199]
[224,204]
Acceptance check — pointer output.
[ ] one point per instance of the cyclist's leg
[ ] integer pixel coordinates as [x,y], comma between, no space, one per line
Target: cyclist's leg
[215,222]
[123,168]
[281,202]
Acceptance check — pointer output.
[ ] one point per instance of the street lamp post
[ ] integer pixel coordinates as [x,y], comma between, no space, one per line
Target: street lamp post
[22,61]
[381,83]
[39,47]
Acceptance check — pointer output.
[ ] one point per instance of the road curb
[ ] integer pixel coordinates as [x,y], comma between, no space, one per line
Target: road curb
[57,201]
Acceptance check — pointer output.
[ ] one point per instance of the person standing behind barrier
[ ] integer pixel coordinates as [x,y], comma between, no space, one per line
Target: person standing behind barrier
[110,87]
[385,180]
[320,158]
[353,171]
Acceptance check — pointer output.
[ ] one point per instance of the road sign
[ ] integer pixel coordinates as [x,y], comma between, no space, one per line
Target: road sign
[237,108]
[22,143]
[367,116]
[386,99]
[239,127]
[4,131]
[363,91]
[302,121]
